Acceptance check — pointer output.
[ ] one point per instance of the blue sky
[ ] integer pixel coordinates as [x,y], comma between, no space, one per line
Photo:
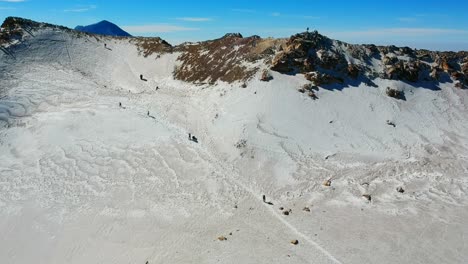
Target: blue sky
[440,25]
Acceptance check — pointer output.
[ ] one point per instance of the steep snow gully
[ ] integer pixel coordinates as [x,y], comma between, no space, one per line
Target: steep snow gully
[96,165]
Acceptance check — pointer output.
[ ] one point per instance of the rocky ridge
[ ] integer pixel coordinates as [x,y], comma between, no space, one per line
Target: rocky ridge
[322,61]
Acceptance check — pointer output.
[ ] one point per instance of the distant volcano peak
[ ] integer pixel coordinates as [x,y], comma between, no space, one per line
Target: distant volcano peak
[104,28]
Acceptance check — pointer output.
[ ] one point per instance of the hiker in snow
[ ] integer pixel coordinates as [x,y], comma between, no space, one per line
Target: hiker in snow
[141,76]
[120,104]
[189,136]
[148,113]
[157,87]
[264,198]
[194,139]
[105,45]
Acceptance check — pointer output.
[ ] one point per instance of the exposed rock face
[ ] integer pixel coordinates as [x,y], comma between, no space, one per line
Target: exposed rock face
[228,59]
[353,71]
[319,79]
[149,46]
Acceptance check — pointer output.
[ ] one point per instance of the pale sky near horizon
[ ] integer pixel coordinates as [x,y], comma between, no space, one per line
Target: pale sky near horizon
[437,25]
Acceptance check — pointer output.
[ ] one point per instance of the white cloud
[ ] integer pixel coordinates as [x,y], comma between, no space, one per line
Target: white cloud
[157,28]
[407,19]
[294,16]
[393,32]
[81,8]
[13,1]
[310,17]
[195,19]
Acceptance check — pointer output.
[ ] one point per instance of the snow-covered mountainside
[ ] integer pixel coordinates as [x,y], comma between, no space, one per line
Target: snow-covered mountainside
[308,150]
[104,28]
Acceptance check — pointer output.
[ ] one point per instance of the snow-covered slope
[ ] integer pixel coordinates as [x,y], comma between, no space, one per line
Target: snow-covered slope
[84,179]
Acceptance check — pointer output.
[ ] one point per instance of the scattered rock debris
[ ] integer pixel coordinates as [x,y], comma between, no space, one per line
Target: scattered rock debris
[400,189]
[367,197]
[306,209]
[222,238]
[390,123]
[294,242]
[281,208]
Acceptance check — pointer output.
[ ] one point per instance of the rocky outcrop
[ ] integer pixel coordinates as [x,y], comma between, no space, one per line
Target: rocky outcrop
[230,58]
[319,79]
[325,61]
[149,46]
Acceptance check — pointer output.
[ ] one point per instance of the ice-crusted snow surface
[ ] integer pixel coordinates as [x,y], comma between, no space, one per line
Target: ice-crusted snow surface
[83,180]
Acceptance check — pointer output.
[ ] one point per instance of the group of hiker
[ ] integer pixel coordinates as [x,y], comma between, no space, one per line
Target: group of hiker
[190,136]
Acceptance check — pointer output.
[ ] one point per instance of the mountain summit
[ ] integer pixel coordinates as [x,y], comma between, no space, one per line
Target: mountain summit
[104,28]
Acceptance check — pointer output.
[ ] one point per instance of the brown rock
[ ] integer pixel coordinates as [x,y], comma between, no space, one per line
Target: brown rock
[222,238]
[327,183]
[294,242]
[394,93]
[445,66]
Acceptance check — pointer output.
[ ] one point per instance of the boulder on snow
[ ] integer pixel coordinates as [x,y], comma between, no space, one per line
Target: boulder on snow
[318,78]
[306,209]
[294,241]
[266,76]
[222,238]
[390,123]
[327,183]
[459,85]
[367,197]
[312,95]
[392,92]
